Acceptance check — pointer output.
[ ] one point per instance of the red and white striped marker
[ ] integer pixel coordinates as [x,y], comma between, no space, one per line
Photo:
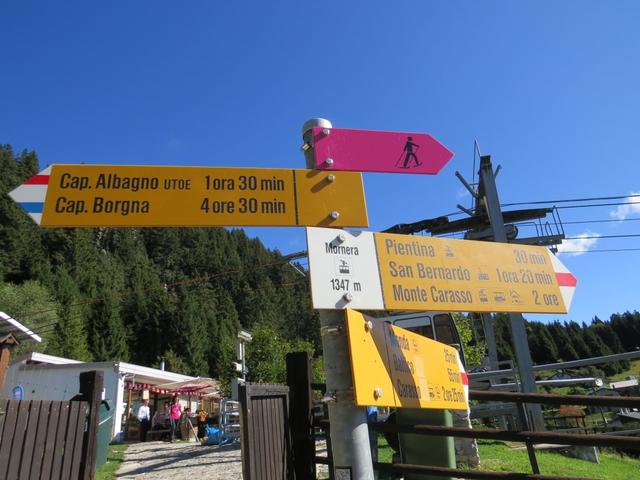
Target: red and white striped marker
[465,380]
[566,280]
[31,194]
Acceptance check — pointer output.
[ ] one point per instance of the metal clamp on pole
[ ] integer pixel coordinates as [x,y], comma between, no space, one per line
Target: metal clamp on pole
[336,396]
[328,397]
[307,137]
[331,330]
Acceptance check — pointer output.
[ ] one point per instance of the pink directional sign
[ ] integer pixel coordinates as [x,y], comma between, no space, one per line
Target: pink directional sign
[372,151]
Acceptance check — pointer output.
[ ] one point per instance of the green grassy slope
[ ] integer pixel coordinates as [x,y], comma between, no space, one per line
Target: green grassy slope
[499,456]
[114,459]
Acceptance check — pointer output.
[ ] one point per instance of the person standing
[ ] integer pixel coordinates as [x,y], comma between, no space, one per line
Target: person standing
[202,423]
[175,412]
[144,417]
[372,416]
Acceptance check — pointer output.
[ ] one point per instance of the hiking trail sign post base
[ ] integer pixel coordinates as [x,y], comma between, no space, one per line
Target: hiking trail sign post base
[166,196]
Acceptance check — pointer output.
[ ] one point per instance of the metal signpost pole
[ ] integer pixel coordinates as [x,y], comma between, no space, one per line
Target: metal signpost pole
[490,338]
[516,320]
[349,431]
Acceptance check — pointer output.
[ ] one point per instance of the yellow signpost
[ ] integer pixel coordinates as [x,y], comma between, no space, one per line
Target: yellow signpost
[163,196]
[381,271]
[455,275]
[394,367]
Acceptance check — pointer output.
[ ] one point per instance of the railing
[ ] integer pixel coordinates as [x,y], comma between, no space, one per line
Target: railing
[530,438]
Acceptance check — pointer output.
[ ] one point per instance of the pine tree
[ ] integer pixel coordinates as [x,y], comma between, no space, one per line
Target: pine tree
[502,331]
[223,328]
[598,349]
[9,215]
[627,326]
[147,308]
[610,338]
[566,351]
[259,304]
[21,254]
[191,333]
[70,338]
[577,340]
[174,362]
[596,346]
[86,258]
[107,334]
[543,348]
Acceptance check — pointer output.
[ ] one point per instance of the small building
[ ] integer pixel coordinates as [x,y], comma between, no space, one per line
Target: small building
[628,387]
[46,377]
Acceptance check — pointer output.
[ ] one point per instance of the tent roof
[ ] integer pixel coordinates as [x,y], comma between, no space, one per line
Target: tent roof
[197,386]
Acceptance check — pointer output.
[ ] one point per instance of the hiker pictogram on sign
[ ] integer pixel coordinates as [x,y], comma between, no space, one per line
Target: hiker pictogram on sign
[344,149]
[409,154]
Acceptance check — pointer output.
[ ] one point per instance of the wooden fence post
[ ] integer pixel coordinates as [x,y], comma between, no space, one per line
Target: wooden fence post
[5,353]
[266,437]
[7,342]
[301,414]
[245,441]
[91,384]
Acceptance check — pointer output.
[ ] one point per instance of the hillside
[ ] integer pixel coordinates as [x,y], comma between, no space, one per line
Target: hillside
[140,295]
[181,294]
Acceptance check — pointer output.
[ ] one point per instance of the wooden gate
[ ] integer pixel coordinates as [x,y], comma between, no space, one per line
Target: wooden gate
[265,438]
[45,439]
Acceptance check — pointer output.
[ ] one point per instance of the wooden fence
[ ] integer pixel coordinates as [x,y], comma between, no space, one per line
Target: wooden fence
[265,438]
[45,439]
[529,438]
[271,420]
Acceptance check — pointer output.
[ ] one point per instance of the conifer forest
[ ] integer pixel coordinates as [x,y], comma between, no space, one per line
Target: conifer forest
[182,294]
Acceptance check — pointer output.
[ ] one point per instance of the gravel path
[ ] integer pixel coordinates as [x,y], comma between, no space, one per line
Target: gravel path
[173,461]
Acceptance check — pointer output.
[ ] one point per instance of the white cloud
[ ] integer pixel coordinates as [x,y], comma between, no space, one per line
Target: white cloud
[579,245]
[624,211]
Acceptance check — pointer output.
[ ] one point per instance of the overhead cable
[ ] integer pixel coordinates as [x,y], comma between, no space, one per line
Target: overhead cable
[588,199]
[582,222]
[599,205]
[600,250]
[602,236]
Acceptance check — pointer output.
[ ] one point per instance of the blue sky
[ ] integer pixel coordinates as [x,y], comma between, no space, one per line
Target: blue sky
[549,89]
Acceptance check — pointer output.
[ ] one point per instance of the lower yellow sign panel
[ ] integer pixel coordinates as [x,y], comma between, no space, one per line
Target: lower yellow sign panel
[393,367]
[158,196]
